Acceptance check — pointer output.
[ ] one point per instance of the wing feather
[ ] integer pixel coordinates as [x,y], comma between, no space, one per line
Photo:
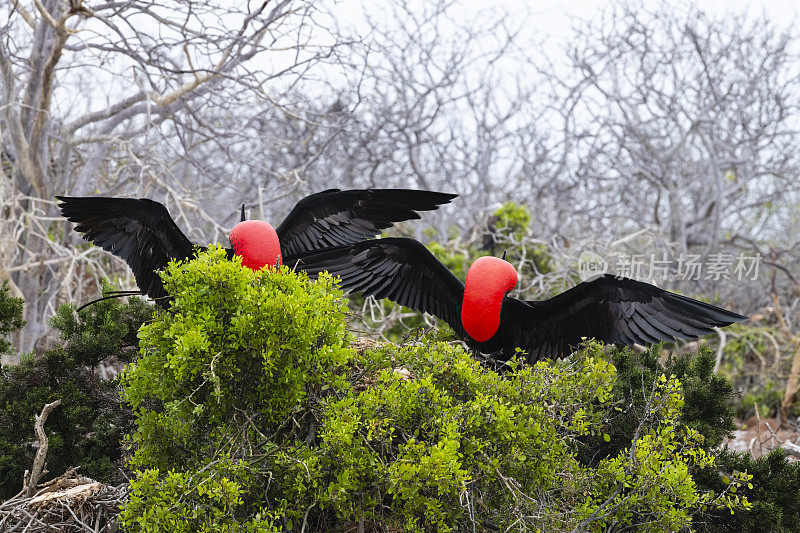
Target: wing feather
[140,232]
[609,309]
[400,269]
[335,217]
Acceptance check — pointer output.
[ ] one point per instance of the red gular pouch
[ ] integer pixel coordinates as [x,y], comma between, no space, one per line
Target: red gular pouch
[257,243]
[488,281]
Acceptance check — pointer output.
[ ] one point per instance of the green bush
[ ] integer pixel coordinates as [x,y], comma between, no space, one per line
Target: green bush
[773,490]
[773,485]
[512,224]
[107,328]
[87,430]
[10,316]
[254,414]
[513,219]
[232,375]
[412,451]
[707,398]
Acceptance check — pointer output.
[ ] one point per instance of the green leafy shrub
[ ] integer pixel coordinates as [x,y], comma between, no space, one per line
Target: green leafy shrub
[706,408]
[201,500]
[511,225]
[87,430]
[10,316]
[512,218]
[661,458]
[773,490]
[234,371]
[105,329]
[772,486]
[412,451]
[253,413]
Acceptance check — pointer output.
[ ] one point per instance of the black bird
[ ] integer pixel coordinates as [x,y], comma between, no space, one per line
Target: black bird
[142,232]
[610,309]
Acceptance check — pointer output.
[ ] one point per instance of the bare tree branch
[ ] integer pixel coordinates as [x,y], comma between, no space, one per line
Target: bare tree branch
[41,454]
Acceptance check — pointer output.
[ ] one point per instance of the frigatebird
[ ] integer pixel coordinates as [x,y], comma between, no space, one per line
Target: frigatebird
[142,232]
[610,309]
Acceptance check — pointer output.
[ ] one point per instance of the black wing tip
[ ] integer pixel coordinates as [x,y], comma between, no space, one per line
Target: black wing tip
[417,195]
[67,201]
[739,318]
[724,316]
[71,205]
[83,201]
[64,198]
[446,195]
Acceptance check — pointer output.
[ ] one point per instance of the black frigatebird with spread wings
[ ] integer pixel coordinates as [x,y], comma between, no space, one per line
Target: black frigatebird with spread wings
[610,309]
[144,235]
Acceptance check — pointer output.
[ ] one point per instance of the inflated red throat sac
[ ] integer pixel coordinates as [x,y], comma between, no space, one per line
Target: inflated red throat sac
[257,243]
[488,280]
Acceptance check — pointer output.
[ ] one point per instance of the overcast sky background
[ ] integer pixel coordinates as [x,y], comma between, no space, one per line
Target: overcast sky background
[554,17]
[547,25]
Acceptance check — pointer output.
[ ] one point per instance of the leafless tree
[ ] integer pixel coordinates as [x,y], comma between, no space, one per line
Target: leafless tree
[421,108]
[442,104]
[687,123]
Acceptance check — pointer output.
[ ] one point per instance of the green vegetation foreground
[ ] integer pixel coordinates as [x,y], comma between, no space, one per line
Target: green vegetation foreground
[253,413]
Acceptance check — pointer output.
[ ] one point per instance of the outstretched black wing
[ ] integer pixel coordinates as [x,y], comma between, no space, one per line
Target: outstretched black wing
[141,232]
[399,269]
[609,309]
[334,217]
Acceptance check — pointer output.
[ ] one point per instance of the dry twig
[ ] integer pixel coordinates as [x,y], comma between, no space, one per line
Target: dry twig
[41,454]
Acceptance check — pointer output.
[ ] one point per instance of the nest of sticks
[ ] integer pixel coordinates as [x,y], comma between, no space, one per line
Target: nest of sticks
[69,503]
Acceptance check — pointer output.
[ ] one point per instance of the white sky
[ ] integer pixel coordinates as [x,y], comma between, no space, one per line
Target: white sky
[555,16]
[549,22]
